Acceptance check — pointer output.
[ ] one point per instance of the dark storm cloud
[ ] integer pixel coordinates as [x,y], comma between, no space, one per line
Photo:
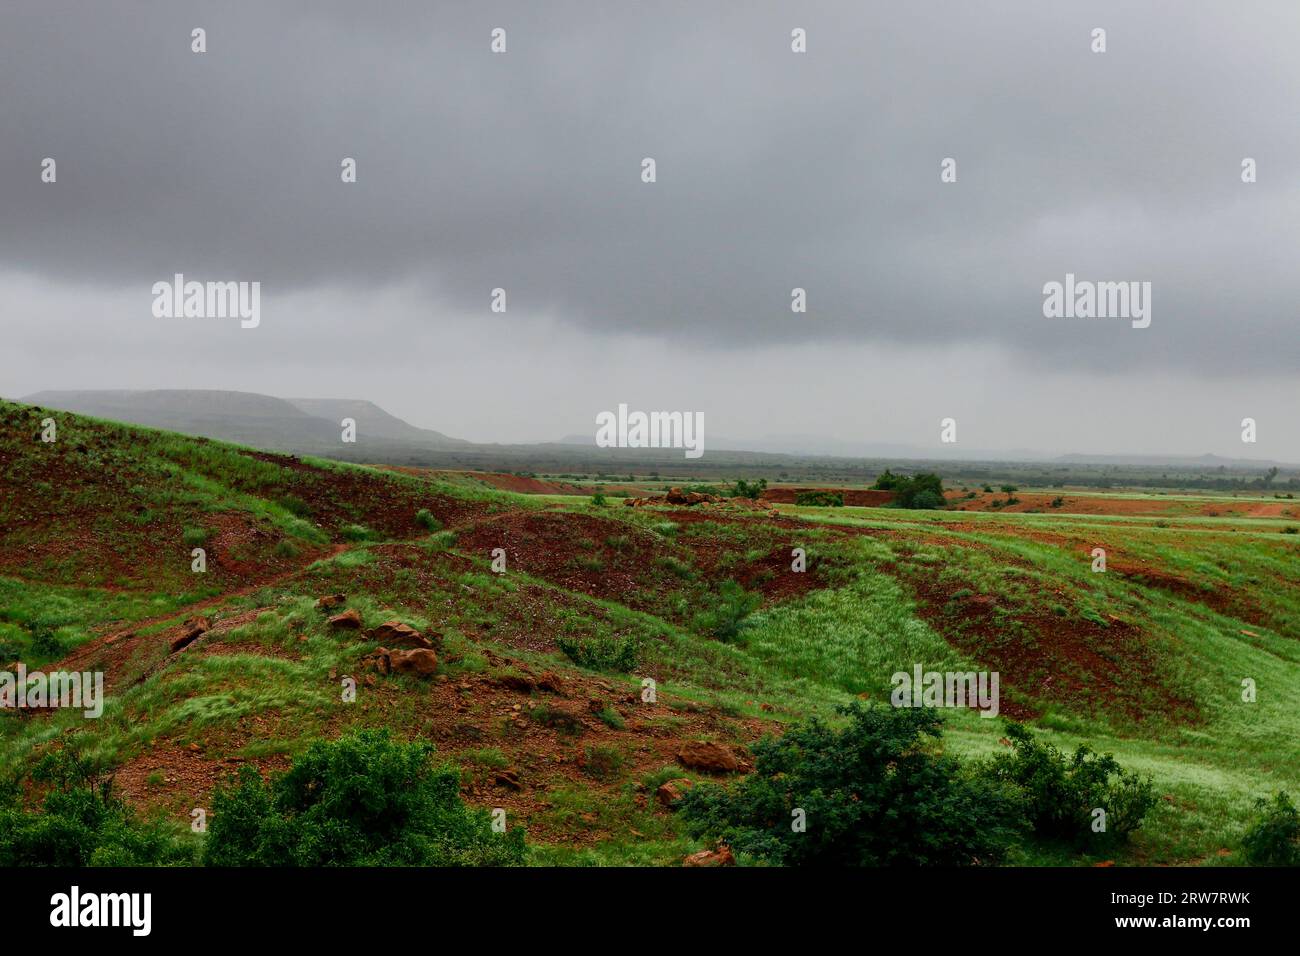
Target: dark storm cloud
[775,170]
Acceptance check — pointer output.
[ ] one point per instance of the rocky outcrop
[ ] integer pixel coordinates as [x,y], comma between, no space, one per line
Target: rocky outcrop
[192,630]
[708,757]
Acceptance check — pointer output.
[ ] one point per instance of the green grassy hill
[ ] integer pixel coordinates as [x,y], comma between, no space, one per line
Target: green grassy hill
[538,697]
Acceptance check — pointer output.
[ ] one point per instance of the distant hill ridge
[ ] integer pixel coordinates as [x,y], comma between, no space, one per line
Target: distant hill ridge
[299,425]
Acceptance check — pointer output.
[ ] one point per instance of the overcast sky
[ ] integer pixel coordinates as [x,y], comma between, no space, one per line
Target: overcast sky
[775,170]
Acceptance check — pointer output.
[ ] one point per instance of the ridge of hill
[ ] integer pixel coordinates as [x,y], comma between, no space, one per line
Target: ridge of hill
[301,425]
[373,421]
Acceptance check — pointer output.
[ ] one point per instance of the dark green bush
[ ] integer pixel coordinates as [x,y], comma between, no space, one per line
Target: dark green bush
[752,490]
[887,481]
[46,643]
[295,506]
[1063,792]
[361,800]
[600,653]
[82,822]
[703,490]
[927,500]
[425,519]
[918,491]
[1274,839]
[820,499]
[726,619]
[874,794]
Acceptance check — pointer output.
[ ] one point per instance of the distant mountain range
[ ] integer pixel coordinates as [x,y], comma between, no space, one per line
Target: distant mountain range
[312,426]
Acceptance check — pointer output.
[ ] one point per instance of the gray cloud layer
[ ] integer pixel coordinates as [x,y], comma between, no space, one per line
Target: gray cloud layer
[775,170]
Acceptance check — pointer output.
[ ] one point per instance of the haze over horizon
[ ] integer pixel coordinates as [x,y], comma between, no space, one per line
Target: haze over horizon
[213,415]
[775,170]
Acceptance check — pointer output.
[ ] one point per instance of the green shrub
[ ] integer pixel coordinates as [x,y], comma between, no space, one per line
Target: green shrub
[753,490]
[295,506]
[46,643]
[702,490]
[361,800]
[1062,792]
[873,794]
[726,619]
[286,549]
[82,822]
[928,500]
[887,481]
[356,532]
[556,719]
[600,653]
[603,763]
[194,537]
[598,500]
[675,566]
[923,491]
[425,519]
[1274,839]
[820,499]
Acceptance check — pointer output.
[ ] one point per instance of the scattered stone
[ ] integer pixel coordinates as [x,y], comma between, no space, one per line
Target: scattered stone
[551,681]
[349,620]
[708,757]
[508,778]
[517,682]
[719,857]
[330,601]
[421,662]
[395,632]
[672,791]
